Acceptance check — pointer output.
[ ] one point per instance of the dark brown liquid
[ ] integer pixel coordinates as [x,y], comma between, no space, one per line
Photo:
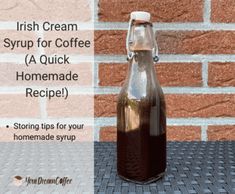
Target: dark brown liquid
[140,156]
[141,123]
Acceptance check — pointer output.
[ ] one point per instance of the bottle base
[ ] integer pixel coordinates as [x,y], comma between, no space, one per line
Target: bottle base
[148,181]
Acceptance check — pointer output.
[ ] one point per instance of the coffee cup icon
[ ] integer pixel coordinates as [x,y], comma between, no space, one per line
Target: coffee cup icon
[17,180]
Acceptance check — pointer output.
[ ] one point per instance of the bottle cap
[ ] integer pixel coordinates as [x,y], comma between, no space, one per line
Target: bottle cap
[140,15]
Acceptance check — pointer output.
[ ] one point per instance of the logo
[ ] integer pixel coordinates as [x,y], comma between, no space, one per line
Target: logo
[17,180]
[63,181]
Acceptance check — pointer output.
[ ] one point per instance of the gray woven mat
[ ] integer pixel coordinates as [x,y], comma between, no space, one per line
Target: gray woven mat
[47,160]
[192,167]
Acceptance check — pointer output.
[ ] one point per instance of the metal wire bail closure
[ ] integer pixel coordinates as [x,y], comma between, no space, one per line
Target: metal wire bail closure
[131,54]
[155,53]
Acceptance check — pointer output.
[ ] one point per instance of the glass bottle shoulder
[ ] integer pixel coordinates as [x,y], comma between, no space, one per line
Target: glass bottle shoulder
[151,95]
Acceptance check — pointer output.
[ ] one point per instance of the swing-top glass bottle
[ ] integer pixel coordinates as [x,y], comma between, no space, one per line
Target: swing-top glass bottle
[141,115]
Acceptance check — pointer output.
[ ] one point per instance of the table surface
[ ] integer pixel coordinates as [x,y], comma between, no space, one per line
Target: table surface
[192,167]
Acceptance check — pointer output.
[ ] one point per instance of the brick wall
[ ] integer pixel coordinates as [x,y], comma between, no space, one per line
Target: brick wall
[196,41]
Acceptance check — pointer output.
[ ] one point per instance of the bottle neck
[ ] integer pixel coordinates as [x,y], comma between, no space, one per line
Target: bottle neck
[141,79]
[141,37]
[142,62]
[142,58]
[141,45]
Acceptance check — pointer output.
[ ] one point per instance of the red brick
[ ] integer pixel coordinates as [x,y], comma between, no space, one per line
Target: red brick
[105,105]
[179,105]
[200,105]
[53,10]
[183,133]
[169,74]
[74,106]
[221,74]
[17,105]
[110,42]
[223,11]
[161,10]
[196,42]
[108,133]
[171,42]
[174,133]
[225,132]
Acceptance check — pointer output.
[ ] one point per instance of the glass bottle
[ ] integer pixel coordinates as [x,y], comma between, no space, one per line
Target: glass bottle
[141,115]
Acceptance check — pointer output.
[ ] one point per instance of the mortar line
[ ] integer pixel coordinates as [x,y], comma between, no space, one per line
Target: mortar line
[92,9]
[171,58]
[205,73]
[203,122]
[41,51]
[96,133]
[111,121]
[115,90]
[175,90]
[203,26]
[94,69]
[207,12]
[40,34]
[124,25]
[96,75]
[82,25]
[10,121]
[204,133]
[21,89]
[43,107]
[19,58]
[96,11]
